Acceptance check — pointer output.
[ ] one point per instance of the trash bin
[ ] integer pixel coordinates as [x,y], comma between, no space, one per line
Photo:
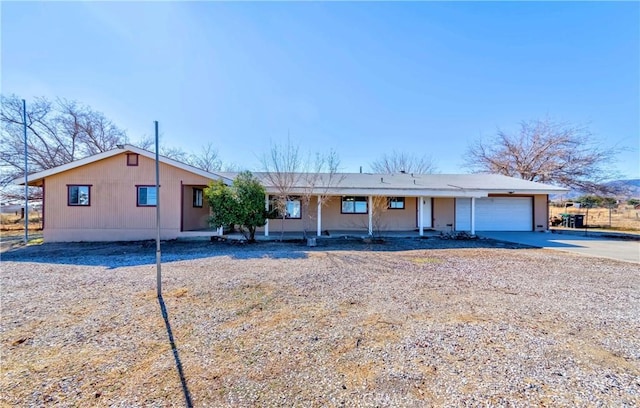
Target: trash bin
[565,219]
[578,221]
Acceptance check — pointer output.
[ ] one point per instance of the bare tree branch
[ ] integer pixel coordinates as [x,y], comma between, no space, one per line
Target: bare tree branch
[206,159]
[547,152]
[398,162]
[319,180]
[58,132]
[282,168]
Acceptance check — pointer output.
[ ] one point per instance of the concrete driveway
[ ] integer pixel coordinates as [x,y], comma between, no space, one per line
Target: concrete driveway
[591,245]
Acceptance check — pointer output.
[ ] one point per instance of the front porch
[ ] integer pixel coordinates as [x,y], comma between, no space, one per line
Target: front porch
[341,234]
[298,235]
[371,215]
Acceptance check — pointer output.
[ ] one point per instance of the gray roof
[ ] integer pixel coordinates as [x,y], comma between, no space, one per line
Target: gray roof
[406,184]
[401,184]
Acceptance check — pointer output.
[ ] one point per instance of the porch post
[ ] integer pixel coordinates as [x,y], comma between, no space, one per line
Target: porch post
[266,207]
[319,227]
[473,216]
[421,215]
[370,215]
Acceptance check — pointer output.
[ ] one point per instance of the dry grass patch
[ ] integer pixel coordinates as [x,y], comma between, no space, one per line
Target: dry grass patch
[333,327]
[624,218]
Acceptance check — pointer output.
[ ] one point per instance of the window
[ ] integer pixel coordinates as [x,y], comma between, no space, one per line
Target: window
[197,197]
[132,159]
[354,205]
[396,203]
[292,208]
[147,196]
[79,195]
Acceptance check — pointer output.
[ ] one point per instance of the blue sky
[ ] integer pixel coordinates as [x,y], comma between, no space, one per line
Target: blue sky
[361,78]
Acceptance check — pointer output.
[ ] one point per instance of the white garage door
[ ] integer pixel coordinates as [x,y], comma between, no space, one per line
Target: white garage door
[496,214]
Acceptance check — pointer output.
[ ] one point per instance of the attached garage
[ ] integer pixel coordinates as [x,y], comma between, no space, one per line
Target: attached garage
[496,214]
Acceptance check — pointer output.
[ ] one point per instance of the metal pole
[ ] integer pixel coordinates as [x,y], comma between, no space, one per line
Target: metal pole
[158,267]
[26,178]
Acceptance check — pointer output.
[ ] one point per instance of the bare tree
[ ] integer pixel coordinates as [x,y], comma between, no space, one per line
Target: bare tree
[206,159]
[282,168]
[58,132]
[546,152]
[378,211]
[172,152]
[92,131]
[318,181]
[398,162]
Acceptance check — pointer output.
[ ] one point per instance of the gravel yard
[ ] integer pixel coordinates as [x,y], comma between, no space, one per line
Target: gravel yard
[413,322]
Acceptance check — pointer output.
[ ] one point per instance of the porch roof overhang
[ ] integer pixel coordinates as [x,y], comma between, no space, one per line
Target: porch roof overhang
[388,192]
[403,185]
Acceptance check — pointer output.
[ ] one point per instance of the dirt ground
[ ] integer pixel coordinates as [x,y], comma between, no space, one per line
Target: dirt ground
[406,322]
[624,218]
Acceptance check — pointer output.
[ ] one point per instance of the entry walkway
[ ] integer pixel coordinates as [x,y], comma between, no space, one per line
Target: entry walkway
[620,249]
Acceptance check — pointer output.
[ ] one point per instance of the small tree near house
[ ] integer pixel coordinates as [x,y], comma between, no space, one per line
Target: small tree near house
[298,177]
[322,177]
[282,170]
[378,211]
[240,204]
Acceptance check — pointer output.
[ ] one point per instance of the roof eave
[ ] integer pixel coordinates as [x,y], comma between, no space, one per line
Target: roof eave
[35,179]
[414,192]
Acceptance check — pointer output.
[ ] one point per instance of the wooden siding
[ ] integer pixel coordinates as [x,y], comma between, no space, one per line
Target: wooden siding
[541,212]
[443,213]
[333,219]
[444,210]
[194,218]
[113,213]
[307,215]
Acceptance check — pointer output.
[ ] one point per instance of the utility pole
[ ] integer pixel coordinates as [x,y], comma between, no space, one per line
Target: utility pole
[26,178]
[158,255]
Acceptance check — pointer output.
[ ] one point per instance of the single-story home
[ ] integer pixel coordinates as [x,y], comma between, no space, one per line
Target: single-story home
[111,196]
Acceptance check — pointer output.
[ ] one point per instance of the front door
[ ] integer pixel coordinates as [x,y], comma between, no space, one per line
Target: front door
[426,212]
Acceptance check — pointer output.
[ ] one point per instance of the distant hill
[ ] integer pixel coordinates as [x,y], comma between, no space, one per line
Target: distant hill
[632,188]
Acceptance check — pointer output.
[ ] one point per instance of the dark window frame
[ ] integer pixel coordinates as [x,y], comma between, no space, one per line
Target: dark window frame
[78,204]
[396,200]
[138,187]
[275,215]
[132,159]
[198,199]
[354,200]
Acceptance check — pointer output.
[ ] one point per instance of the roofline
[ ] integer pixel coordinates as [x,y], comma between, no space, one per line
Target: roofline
[410,192]
[35,177]
[417,191]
